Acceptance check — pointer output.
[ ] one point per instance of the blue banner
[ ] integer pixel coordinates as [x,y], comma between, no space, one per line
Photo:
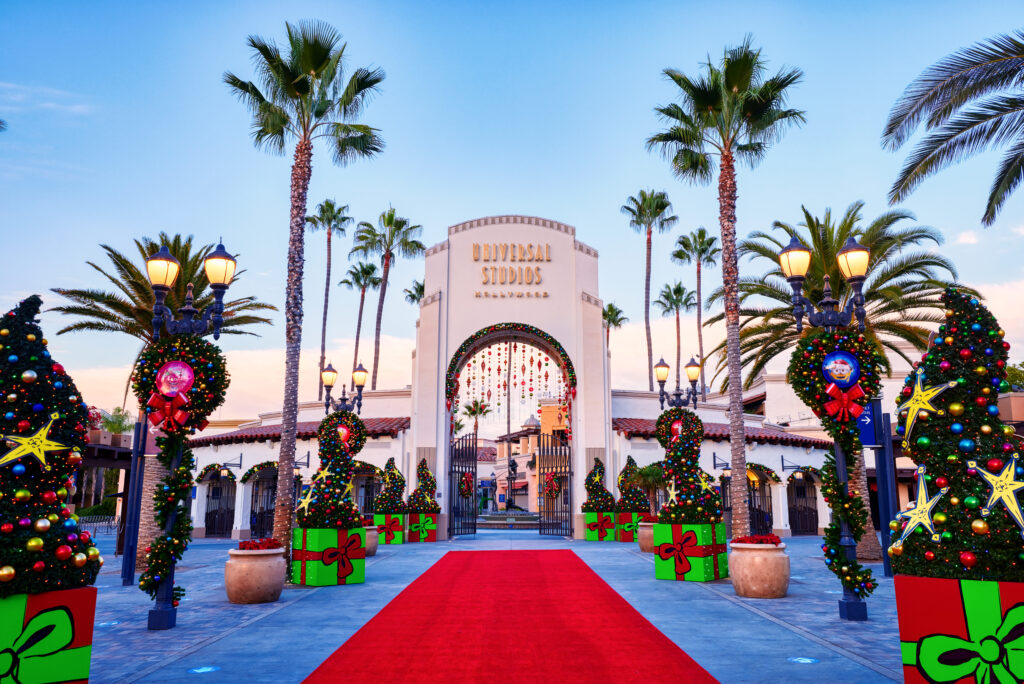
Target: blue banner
[867,423]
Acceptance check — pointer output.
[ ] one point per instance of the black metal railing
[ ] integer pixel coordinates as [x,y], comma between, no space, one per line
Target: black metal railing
[555,459]
[462,512]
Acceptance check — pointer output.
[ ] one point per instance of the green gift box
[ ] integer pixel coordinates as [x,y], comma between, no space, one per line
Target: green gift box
[47,637]
[325,557]
[626,526]
[599,526]
[695,553]
[390,528]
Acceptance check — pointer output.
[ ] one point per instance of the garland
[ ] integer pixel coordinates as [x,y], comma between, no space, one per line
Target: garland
[809,470]
[692,497]
[552,486]
[214,468]
[422,498]
[327,503]
[181,380]
[466,485]
[257,469]
[838,408]
[763,471]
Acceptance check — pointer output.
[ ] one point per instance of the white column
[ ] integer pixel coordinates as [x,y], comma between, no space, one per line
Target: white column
[824,512]
[199,511]
[243,504]
[780,509]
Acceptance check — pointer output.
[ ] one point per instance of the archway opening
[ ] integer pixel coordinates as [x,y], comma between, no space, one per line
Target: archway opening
[802,499]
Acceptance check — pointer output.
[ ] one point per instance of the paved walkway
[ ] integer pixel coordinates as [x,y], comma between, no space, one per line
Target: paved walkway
[798,638]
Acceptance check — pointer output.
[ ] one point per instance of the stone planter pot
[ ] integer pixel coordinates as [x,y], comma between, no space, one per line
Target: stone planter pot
[371,541]
[645,536]
[254,576]
[759,570]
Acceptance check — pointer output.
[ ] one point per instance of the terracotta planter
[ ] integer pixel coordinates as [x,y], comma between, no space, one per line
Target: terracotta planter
[759,570]
[371,541]
[254,576]
[645,536]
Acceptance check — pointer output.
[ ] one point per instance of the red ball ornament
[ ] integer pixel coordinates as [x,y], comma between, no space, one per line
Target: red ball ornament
[929,555]
[994,465]
[23,425]
[49,497]
[63,552]
[907,391]
[39,566]
[7,528]
[57,368]
[968,559]
[981,401]
[343,433]
[84,536]
[965,354]
[940,482]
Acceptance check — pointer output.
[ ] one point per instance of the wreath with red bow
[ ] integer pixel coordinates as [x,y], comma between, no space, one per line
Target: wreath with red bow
[552,487]
[466,485]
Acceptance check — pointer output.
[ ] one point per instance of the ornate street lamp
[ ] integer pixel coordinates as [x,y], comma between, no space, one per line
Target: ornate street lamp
[329,376]
[853,260]
[677,400]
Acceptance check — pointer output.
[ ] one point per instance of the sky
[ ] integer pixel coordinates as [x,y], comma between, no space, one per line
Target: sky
[119,126]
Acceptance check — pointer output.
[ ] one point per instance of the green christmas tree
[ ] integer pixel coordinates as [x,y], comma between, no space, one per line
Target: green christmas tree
[966,521]
[422,498]
[390,498]
[42,435]
[328,501]
[632,499]
[599,499]
[693,498]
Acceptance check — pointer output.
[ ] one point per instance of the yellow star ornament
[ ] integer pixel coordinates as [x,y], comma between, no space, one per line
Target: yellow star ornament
[348,488]
[36,445]
[921,514]
[705,483]
[307,498]
[1004,489]
[920,400]
[672,493]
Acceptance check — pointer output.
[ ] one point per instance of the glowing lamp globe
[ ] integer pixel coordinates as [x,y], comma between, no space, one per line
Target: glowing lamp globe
[692,369]
[661,371]
[795,259]
[329,376]
[853,259]
[359,376]
[219,266]
[162,268]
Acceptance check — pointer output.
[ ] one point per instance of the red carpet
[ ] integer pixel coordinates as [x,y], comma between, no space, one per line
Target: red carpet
[509,616]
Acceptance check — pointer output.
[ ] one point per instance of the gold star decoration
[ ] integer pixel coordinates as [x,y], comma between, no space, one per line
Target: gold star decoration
[37,445]
[672,492]
[307,498]
[705,483]
[348,488]
[920,400]
[921,514]
[1004,489]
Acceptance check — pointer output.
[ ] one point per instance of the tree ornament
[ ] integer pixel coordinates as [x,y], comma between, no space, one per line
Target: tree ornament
[1004,488]
[38,445]
[979,526]
[921,513]
[921,399]
[968,559]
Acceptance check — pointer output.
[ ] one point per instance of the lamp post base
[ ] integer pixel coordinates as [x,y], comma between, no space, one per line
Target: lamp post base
[849,609]
[163,618]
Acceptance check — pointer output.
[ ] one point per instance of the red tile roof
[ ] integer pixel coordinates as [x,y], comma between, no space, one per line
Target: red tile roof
[719,432]
[375,427]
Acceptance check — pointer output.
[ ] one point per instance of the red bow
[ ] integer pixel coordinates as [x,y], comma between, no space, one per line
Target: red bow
[842,407]
[389,528]
[601,526]
[168,411]
[349,548]
[686,546]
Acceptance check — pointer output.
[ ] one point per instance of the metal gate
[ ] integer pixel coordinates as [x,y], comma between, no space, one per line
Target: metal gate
[220,507]
[759,506]
[554,458]
[462,464]
[803,506]
[264,496]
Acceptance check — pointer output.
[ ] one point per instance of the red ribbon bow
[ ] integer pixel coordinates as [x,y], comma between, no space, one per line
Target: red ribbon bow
[168,411]
[389,528]
[842,407]
[601,526]
[686,546]
[349,547]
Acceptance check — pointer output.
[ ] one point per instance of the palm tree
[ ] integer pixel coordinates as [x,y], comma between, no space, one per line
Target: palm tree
[302,96]
[476,409]
[128,309]
[970,101]
[331,219]
[647,211]
[393,236]
[902,291]
[414,293]
[613,318]
[733,112]
[361,276]
[650,478]
[674,299]
[3,125]
[701,249]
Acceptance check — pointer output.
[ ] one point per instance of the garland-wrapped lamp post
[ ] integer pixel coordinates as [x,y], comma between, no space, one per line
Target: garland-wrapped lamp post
[162,270]
[329,376]
[853,260]
[677,400]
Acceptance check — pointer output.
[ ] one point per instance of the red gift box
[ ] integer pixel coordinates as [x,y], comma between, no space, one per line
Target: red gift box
[626,526]
[422,527]
[48,637]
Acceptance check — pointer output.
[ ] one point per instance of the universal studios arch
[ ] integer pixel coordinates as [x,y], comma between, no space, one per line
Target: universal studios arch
[503,284]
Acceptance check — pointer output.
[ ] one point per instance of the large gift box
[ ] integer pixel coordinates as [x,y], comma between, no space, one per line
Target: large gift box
[960,630]
[422,527]
[325,557]
[695,553]
[599,526]
[390,528]
[47,637]
[625,526]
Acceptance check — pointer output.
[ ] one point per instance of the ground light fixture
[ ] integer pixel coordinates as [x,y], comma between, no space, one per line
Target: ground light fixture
[329,376]
[677,400]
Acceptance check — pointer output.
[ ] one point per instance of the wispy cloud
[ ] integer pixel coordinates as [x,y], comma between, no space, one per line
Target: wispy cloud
[968,237]
[20,98]
[1019,230]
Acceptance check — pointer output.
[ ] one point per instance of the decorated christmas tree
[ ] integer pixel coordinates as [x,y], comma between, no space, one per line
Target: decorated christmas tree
[43,426]
[693,498]
[966,521]
[422,498]
[390,498]
[327,503]
[599,499]
[631,498]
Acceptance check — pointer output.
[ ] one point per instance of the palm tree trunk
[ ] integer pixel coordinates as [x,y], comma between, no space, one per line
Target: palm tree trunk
[677,348]
[868,548]
[730,284]
[647,315]
[380,314]
[359,328]
[476,426]
[323,327]
[607,336]
[700,337]
[302,169]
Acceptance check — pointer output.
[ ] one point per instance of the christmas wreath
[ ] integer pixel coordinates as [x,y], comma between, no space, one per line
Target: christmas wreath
[763,471]
[689,427]
[466,485]
[552,486]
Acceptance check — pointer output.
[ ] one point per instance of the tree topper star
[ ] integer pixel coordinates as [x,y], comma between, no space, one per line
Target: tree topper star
[921,400]
[1004,488]
[921,513]
[37,445]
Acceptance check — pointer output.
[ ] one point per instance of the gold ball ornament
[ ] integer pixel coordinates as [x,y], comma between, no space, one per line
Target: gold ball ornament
[34,544]
[52,517]
[896,550]
[986,429]
[949,313]
[79,559]
[894,525]
[93,553]
[5,332]
[939,517]
[11,398]
[979,526]
[981,370]
[6,573]
[42,525]
[29,376]
[955,500]
[956,409]
[1008,430]
[986,390]
[30,337]
[948,340]
[100,561]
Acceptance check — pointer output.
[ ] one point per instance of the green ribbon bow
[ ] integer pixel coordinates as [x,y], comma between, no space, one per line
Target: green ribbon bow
[423,527]
[993,652]
[38,652]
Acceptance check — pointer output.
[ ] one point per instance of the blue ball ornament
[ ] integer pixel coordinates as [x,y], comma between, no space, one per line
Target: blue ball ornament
[966,445]
[956,428]
[9,415]
[989,351]
[996,382]
[18,469]
[58,384]
[975,327]
[993,410]
[974,302]
[70,524]
[937,342]
[12,358]
[37,407]
[46,354]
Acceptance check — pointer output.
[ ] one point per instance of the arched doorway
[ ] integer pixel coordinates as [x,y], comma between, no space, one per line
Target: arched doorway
[526,378]
[802,499]
[219,483]
[262,478]
[759,498]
